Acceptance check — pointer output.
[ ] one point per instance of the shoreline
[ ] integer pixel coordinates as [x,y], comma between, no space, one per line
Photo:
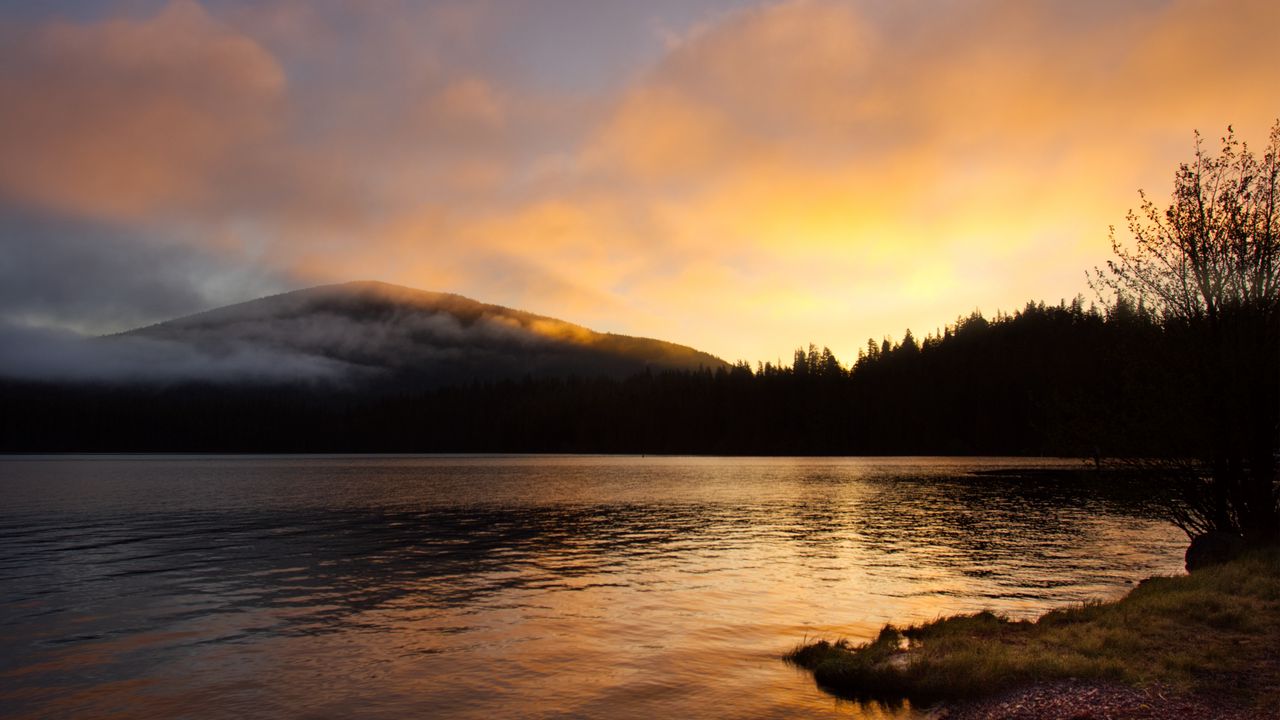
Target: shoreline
[1205,644]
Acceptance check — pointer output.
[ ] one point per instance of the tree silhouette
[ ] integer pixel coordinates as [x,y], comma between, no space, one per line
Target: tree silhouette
[1047,380]
[1208,268]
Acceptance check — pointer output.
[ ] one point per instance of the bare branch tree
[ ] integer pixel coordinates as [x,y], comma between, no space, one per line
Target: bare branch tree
[1208,266]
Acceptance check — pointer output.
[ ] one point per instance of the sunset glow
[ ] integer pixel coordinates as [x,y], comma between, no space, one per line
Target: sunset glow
[743,178]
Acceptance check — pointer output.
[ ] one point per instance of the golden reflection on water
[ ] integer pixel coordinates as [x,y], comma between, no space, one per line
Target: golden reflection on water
[514,586]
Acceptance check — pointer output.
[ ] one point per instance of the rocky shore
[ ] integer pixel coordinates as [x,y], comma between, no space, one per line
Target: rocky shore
[1080,700]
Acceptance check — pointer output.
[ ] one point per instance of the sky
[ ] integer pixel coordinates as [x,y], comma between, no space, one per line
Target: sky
[741,177]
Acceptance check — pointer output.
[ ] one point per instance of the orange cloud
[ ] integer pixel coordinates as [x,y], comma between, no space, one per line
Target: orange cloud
[126,118]
[844,175]
[821,170]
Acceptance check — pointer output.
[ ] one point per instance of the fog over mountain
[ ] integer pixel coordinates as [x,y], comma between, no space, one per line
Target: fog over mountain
[358,331]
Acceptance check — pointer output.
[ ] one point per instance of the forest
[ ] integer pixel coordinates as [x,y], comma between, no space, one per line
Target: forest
[1061,379]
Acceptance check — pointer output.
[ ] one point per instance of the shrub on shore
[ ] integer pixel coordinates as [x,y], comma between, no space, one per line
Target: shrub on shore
[1211,632]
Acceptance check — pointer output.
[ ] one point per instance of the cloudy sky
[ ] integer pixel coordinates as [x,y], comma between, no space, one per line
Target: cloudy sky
[741,177]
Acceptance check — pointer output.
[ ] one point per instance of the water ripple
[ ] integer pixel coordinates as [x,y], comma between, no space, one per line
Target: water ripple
[534,587]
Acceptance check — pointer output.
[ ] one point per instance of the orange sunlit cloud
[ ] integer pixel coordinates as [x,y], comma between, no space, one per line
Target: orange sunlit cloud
[126,118]
[765,176]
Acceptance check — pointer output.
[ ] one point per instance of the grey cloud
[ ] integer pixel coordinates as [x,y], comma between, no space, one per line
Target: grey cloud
[406,339]
[30,353]
[98,278]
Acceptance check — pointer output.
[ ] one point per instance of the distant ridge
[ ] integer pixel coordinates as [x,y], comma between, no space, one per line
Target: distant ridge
[380,328]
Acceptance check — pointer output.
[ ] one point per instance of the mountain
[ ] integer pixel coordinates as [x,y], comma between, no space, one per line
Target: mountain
[375,329]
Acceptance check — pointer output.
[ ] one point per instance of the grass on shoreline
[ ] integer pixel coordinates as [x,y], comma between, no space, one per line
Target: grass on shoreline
[1216,632]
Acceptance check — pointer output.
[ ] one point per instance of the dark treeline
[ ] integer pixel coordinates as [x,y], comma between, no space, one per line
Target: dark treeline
[1053,380]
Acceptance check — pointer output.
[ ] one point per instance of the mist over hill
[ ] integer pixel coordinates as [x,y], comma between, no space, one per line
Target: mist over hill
[351,332]
[1048,380]
[367,367]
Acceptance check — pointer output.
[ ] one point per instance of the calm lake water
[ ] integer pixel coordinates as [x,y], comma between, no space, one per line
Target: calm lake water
[495,587]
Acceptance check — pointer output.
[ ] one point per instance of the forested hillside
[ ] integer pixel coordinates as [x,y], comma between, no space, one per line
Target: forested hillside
[1061,380]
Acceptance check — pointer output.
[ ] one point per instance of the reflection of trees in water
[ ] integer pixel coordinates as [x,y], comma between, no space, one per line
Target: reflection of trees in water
[1007,526]
[317,570]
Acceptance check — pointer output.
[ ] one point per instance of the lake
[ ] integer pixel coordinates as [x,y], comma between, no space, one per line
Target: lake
[517,586]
